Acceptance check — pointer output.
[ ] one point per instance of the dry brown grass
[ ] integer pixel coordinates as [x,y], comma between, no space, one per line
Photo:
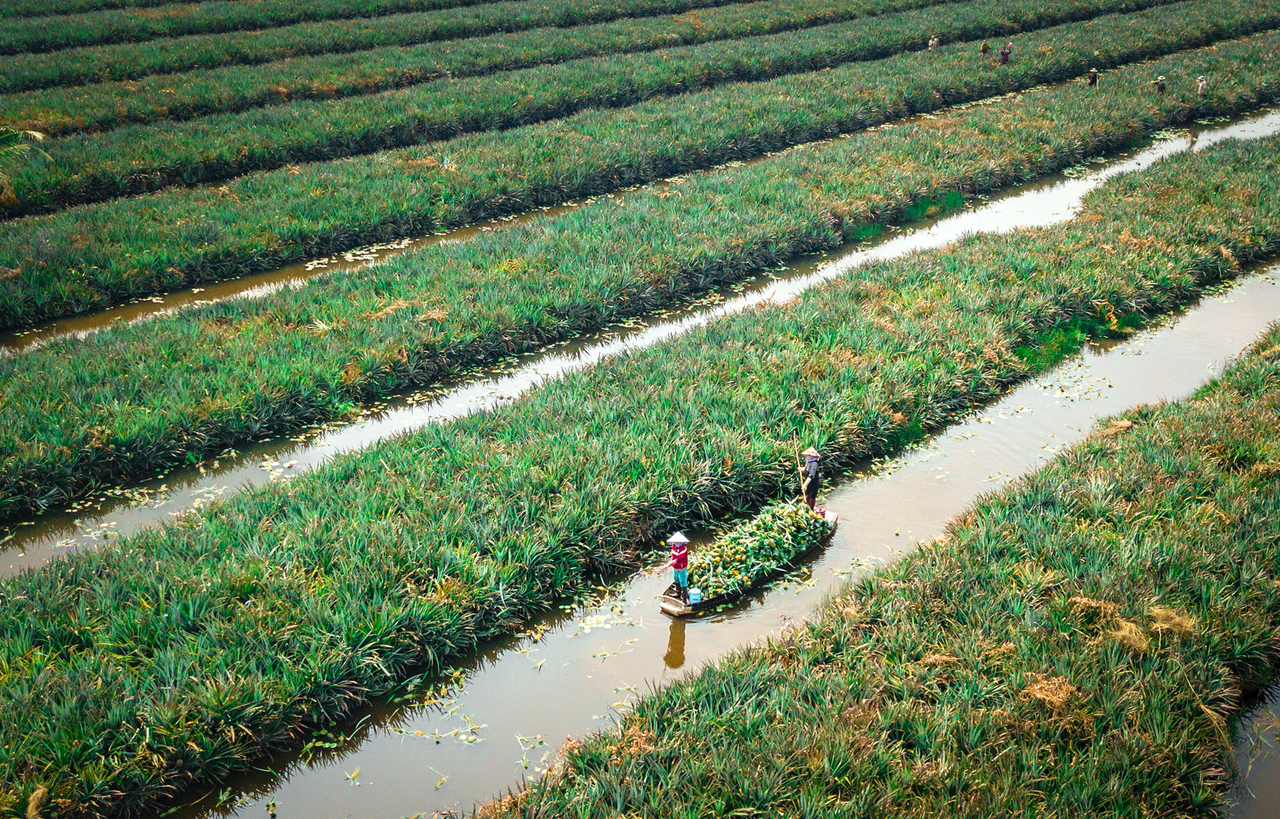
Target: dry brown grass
[939,659]
[37,802]
[1052,692]
[1092,610]
[1002,650]
[1130,635]
[635,740]
[1165,620]
[1115,428]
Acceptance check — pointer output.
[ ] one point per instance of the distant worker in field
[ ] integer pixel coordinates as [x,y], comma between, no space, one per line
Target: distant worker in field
[680,563]
[986,49]
[1202,87]
[810,478]
[934,42]
[1158,82]
[1006,51]
[1093,78]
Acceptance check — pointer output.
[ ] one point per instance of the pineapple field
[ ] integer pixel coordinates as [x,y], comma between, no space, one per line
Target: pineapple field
[587,196]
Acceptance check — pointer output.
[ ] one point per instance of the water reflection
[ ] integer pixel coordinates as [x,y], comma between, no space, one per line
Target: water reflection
[674,658]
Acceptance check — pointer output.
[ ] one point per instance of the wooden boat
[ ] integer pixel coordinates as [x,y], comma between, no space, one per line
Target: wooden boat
[671,604]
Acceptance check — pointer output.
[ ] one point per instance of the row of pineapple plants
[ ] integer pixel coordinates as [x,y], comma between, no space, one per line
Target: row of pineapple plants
[135,22]
[38,8]
[76,413]
[402,39]
[230,88]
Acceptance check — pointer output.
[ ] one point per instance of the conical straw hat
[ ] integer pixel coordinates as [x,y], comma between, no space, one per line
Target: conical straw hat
[812,453]
[678,537]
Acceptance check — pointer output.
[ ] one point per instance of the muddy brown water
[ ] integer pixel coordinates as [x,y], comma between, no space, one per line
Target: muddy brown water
[512,705]
[121,511]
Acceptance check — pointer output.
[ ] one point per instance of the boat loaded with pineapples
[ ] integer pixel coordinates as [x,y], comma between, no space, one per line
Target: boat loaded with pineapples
[747,555]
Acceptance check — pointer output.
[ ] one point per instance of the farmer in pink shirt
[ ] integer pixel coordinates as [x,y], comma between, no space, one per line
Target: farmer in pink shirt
[680,562]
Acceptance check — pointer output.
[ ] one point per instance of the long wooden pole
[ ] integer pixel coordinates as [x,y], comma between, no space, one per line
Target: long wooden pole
[795,443]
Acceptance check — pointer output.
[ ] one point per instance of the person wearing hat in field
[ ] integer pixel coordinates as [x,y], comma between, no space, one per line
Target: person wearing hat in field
[1093,78]
[1202,87]
[1006,51]
[1158,82]
[934,42]
[810,479]
[986,49]
[680,563]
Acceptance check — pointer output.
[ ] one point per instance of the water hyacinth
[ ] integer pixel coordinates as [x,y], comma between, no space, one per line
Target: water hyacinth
[747,553]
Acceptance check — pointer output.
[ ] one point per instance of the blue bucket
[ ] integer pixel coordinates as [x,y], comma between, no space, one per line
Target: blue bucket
[695,596]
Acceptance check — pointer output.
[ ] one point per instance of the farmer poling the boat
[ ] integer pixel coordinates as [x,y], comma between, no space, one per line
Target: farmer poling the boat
[680,563]
[810,479]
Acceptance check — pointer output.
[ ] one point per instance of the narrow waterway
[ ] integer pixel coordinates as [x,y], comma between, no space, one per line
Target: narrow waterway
[124,510]
[510,707]
[256,284]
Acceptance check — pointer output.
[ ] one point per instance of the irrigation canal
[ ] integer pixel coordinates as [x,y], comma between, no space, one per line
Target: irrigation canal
[511,705]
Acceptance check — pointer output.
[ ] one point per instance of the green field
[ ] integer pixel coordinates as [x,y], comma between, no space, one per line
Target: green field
[180,54]
[331,75]
[92,257]
[199,142]
[51,32]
